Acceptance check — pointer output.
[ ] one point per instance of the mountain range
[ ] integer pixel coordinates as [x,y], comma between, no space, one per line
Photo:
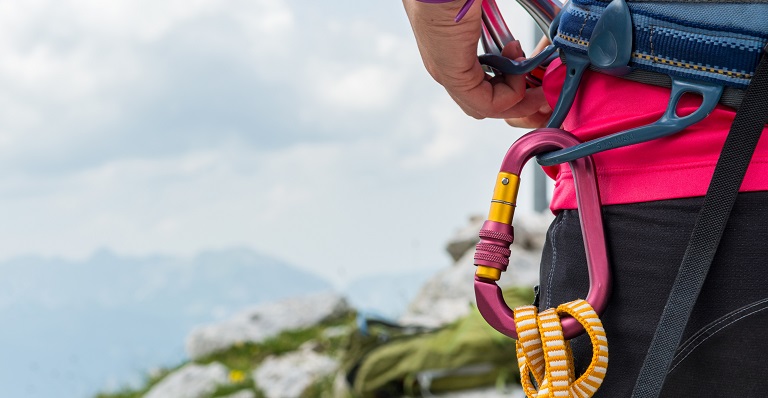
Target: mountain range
[71,328]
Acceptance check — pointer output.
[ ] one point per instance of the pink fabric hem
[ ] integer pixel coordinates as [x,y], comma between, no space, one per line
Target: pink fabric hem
[682,181]
[677,166]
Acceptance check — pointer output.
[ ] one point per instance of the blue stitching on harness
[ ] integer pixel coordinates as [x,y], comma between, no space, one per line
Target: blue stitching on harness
[693,50]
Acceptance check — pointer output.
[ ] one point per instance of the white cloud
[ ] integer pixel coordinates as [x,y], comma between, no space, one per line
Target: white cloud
[451,135]
[271,18]
[358,88]
[139,126]
[74,70]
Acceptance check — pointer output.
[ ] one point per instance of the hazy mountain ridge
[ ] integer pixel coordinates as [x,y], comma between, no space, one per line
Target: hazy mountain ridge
[298,346]
[70,325]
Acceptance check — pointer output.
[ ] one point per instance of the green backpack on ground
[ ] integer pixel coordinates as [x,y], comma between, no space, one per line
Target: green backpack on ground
[386,360]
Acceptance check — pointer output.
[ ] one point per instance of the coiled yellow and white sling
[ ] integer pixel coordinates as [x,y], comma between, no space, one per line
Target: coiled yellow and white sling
[542,351]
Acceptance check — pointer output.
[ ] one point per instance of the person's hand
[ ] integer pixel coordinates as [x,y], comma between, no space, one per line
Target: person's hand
[449,52]
[541,117]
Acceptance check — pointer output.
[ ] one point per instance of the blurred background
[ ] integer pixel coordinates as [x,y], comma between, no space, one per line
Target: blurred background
[166,163]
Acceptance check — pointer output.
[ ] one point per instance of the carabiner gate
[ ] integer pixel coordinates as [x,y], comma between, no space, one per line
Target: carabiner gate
[492,253]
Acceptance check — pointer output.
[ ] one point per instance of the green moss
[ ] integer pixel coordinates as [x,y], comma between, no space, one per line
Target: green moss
[518,295]
[122,393]
[223,391]
[322,388]
[245,357]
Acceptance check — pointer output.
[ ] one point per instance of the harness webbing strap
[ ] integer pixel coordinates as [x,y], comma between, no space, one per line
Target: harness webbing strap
[699,1]
[713,44]
[731,96]
[721,195]
[543,352]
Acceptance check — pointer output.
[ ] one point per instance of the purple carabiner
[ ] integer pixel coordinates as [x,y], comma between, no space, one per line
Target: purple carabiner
[492,254]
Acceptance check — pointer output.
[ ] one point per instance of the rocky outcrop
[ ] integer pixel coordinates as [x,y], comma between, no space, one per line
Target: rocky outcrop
[314,363]
[465,238]
[530,233]
[261,322]
[191,381]
[289,375]
[448,295]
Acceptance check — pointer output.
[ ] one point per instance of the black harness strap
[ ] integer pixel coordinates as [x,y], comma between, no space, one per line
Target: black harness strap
[721,195]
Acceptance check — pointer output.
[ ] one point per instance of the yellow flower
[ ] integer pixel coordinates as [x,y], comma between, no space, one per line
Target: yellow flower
[236,376]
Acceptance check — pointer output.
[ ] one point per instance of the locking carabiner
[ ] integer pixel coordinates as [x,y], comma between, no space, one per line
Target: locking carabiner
[492,253]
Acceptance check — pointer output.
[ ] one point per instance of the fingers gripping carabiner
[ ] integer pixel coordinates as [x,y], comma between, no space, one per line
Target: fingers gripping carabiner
[492,254]
[496,35]
[512,67]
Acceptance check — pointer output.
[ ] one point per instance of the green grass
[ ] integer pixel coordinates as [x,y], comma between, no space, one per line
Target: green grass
[247,384]
[241,359]
[323,388]
[245,357]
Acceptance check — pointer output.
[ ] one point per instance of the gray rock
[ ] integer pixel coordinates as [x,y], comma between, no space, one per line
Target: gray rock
[530,232]
[191,381]
[447,296]
[289,375]
[261,322]
[465,238]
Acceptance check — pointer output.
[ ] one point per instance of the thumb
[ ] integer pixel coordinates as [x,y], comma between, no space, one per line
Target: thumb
[513,50]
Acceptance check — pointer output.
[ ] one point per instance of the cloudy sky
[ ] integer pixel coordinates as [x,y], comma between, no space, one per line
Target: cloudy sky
[306,130]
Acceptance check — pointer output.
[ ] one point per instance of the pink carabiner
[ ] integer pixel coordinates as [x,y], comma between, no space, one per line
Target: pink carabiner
[493,250]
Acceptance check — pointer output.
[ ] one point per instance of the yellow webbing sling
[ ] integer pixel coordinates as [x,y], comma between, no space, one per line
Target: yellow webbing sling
[543,353]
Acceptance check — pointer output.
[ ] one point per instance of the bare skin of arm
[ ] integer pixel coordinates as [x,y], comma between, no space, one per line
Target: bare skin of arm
[449,52]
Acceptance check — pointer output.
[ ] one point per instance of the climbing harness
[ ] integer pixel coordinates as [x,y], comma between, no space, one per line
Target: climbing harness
[669,123]
[609,49]
[721,195]
[639,41]
[674,44]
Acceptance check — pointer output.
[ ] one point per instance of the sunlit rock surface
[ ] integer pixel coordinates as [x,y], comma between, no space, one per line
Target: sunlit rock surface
[261,322]
[287,376]
[191,381]
[448,295]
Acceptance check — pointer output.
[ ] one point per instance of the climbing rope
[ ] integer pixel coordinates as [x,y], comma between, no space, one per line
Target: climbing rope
[544,354]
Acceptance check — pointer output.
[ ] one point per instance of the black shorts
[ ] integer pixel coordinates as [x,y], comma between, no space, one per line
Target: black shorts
[724,352]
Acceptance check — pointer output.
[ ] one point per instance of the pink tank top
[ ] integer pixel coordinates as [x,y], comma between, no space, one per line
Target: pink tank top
[677,166]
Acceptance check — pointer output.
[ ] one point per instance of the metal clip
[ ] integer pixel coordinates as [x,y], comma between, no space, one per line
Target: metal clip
[496,35]
[492,253]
